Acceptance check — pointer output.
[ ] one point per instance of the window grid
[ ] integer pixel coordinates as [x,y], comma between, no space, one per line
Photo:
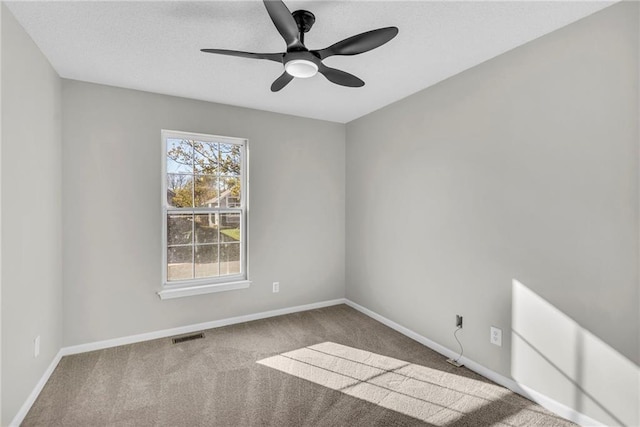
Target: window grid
[229,154]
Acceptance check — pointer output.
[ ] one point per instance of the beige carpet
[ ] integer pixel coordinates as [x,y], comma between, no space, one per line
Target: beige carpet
[326,367]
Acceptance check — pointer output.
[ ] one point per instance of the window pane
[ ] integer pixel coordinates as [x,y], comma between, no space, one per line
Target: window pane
[206,226]
[206,191]
[179,156]
[180,190]
[205,157]
[202,179]
[230,159]
[229,258]
[206,261]
[180,263]
[230,192]
[230,227]
[179,229]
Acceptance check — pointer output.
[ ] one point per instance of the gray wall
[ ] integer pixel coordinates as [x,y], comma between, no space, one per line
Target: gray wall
[520,171]
[508,194]
[1,19]
[31,214]
[112,218]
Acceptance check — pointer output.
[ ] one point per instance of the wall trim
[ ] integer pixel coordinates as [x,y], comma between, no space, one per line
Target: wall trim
[552,405]
[24,409]
[99,345]
[548,403]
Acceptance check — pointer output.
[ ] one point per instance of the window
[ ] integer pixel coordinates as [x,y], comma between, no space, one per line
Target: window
[204,214]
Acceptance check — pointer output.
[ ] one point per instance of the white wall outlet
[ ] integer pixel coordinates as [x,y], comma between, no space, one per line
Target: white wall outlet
[496,336]
[36,346]
[276,287]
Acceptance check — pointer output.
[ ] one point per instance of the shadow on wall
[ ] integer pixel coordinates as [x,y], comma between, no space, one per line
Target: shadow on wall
[554,355]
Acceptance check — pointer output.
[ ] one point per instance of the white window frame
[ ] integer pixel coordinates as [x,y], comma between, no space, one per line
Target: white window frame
[183,288]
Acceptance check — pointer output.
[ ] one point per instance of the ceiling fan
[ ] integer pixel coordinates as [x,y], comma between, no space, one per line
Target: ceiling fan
[301,62]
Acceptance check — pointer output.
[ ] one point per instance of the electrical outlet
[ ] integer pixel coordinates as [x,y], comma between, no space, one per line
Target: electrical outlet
[276,287]
[36,346]
[496,336]
[458,321]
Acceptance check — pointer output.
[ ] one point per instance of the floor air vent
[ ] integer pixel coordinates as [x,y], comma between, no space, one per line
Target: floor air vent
[184,338]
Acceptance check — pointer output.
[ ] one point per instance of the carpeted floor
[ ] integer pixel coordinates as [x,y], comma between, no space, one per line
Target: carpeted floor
[328,367]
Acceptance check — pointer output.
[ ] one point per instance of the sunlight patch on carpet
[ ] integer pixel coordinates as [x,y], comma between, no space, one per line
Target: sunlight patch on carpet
[434,396]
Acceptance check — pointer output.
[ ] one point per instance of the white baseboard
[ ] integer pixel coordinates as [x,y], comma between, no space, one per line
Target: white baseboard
[99,345]
[552,405]
[24,409]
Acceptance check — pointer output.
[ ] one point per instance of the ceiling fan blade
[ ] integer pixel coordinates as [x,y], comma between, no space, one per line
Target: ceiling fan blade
[360,43]
[284,22]
[277,57]
[339,77]
[281,82]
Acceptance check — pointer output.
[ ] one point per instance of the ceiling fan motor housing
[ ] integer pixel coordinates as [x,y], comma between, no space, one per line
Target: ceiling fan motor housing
[301,55]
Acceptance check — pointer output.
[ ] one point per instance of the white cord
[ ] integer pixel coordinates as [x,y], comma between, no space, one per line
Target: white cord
[459,343]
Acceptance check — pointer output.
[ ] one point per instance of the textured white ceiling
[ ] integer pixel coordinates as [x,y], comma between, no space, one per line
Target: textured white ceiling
[155,46]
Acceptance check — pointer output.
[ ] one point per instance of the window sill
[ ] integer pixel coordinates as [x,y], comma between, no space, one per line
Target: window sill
[187,291]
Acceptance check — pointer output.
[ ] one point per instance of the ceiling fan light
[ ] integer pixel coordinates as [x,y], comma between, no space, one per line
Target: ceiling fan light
[301,68]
